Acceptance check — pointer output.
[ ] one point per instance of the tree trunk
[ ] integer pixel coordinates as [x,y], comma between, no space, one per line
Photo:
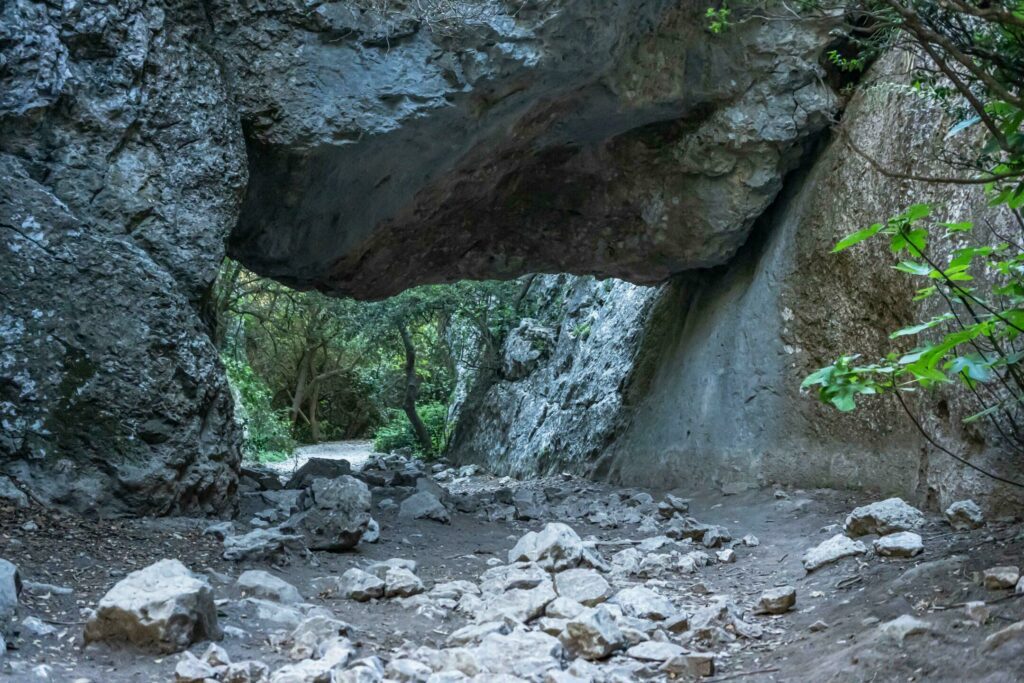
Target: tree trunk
[412,390]
[314,423]
[300,389]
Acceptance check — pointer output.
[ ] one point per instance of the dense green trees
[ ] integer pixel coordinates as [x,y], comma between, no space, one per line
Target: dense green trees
[311,367]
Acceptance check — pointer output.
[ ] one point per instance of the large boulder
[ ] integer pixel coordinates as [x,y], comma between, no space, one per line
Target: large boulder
[121,169]
[337,513]
[326,468]
[164,608]
[883,517]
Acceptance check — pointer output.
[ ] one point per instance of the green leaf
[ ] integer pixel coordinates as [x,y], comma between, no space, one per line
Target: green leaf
[962,126]
[914,268]
[857,238]
[915,329]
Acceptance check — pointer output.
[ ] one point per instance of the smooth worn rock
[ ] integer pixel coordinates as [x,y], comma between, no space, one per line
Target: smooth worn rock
[325,468]
[965,514]
[361,586]
[654,651]
[265,585]
[261,544]
[424,505]
[999,578]
[900,628]
[884,517]
[593,634]
[1012,633]
[336,515]
[832,550]
[899,544]
[585,586]
[163,607]
[555,548]
[776,600]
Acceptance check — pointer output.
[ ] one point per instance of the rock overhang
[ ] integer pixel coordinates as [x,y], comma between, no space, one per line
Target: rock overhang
[635,146]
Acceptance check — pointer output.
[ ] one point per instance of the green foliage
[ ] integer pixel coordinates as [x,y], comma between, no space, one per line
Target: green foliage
[977,340]
[717,18]
[267,433]
[397,432]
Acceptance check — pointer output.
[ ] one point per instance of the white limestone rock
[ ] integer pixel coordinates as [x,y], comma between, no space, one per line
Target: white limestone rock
[163,607]
[263,584]
[965,514]
[555,547]
[593,634]
[899,544]
[883,517]
[832,550]
[585,586]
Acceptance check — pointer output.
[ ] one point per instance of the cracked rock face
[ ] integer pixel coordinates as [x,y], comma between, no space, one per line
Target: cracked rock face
[588,137]
[122,168]
[356,152]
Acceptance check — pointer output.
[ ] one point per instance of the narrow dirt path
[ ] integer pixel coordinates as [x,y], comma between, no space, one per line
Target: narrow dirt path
[837,631]
[356,451]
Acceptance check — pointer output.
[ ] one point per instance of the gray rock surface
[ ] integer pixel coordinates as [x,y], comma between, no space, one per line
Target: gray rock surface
[832,550]
[635,399]
[705,128]
[424,505]
[899,544]
[11,494]
[163,607]
[265,585]
[593,634]
[584,586]
[326,468]
[777,600]
[336,515]
[555,547]
[121,170]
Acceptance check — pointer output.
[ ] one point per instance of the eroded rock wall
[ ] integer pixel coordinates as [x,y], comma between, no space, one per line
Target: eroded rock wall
[122,171]
[718,399]
[375,149]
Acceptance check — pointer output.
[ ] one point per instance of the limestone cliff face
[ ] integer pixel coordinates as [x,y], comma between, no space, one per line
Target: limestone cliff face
[731,345]
[122,170]
[340,148]
[561,393]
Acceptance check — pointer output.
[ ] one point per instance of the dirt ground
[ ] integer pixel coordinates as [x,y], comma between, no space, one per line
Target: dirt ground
[851,597]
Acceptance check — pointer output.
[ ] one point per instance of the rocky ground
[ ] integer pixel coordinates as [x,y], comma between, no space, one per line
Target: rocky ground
[456,575]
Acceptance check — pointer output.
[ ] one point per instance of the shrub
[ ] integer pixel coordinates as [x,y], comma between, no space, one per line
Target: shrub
[266,431]
[396,432]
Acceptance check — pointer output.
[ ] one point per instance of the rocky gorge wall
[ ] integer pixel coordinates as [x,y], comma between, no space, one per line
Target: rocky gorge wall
[349,146]
[718,359]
